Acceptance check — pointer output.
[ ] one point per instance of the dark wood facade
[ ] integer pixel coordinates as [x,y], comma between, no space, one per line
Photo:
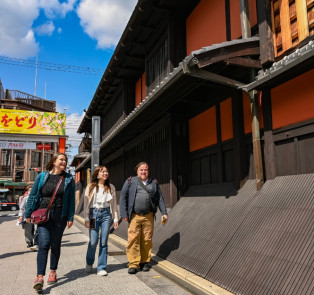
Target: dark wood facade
[154,43]
[192,121]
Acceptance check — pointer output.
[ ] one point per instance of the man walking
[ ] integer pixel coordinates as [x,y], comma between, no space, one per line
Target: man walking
[139,199]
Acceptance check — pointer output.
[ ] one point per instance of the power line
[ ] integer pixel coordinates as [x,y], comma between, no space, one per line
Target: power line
[50,66]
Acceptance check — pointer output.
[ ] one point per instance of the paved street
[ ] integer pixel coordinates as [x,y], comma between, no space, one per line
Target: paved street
[18,267]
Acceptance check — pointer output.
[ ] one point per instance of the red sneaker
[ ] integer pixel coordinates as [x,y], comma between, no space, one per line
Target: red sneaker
[52,278]
[39,282]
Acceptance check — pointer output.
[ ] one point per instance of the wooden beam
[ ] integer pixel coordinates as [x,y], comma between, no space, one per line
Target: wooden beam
[224,53]
[205,75]
[244,62]
[302,19]
[264,20]
[285,24]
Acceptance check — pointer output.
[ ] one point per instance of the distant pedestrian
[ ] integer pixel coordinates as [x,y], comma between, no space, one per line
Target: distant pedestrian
[61,214]
[139,199]
[30,233]
[100,204]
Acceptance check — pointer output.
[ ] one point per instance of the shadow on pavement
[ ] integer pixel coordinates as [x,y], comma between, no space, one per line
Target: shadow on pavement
[6,255]
[78,274]
[69,277]
[68,244]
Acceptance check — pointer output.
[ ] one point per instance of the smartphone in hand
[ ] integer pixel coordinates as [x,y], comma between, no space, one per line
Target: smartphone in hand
[92,223]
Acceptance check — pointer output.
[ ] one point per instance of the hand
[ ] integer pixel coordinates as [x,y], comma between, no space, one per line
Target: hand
[164,219]
[115,225]
[28,220]
[69,224]
[87,224]
[125,219]
[20,219]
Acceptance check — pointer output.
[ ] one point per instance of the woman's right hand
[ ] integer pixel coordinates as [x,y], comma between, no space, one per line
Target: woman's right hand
[20,219]
[87,224]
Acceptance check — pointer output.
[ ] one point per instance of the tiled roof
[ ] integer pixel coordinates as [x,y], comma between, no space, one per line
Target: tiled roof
[288,62]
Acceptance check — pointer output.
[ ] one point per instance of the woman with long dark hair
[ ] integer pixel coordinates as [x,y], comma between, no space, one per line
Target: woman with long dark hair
[100,204]
[61,214]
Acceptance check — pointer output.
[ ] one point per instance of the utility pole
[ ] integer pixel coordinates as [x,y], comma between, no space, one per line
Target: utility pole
[95,142]
[36,75]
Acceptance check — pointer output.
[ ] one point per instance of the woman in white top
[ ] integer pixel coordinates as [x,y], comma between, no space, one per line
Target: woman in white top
[100,204]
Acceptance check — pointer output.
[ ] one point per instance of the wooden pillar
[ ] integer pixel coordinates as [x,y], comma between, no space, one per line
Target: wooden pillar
[173,164]
[245,19]
[240,154]
[269,146]
[265,32]
[219,146]
[257,154]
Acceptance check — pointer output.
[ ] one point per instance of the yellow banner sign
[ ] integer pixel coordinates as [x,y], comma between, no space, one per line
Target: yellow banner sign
[29,122]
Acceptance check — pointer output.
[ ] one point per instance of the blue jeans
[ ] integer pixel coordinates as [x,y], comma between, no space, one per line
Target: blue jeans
[103,221]
[49,237]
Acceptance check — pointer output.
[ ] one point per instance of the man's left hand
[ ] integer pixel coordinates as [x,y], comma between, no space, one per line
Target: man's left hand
[69,224]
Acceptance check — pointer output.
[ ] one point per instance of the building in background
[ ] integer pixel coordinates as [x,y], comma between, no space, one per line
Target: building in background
[30,132]
[217,96]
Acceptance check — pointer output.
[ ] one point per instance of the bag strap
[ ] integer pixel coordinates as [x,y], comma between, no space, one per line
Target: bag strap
[54,193]
[145,188]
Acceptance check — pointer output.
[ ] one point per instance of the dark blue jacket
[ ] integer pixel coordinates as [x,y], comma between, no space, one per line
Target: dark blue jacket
[128,193]
[35,197]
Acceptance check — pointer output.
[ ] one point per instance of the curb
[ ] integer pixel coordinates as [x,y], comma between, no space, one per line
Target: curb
[187,279]
[8,214]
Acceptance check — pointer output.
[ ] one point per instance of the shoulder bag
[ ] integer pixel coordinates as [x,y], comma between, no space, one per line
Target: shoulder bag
[42,215]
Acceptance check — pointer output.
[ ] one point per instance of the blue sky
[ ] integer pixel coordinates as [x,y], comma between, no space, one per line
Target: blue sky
[76,33]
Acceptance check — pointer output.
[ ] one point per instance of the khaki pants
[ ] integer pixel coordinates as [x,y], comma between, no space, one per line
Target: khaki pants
[140,234]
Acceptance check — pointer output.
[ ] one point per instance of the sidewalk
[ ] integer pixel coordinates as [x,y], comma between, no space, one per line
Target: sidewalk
[18,268]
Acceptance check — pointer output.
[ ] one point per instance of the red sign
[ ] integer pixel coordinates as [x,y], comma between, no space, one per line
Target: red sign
[40,146]
[47,146]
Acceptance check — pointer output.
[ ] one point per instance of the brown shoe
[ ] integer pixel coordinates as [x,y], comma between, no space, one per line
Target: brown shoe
[39,283]
[52,278]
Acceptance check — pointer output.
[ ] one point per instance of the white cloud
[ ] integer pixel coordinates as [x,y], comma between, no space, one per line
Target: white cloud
[105,20]
[45,29]
[54,8]
[16,34]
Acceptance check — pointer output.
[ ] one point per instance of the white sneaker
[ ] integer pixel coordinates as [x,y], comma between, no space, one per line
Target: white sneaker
[102,272]
[34,248]
[89,268]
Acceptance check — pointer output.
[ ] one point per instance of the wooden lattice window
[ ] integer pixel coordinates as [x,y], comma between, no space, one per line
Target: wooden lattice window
[293,21]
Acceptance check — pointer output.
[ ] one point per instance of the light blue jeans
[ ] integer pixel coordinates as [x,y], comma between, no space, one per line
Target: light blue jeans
[103,222]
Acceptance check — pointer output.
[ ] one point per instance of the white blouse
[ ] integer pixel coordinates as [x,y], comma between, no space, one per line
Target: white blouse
[101,199]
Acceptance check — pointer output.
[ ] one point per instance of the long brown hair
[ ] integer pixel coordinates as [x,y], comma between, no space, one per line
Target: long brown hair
[94,181]
[55,156]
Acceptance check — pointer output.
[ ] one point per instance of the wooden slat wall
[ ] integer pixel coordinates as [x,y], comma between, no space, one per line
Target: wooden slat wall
[293,21]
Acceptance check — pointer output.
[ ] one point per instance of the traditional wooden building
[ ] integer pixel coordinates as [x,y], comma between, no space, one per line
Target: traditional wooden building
[218,98]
